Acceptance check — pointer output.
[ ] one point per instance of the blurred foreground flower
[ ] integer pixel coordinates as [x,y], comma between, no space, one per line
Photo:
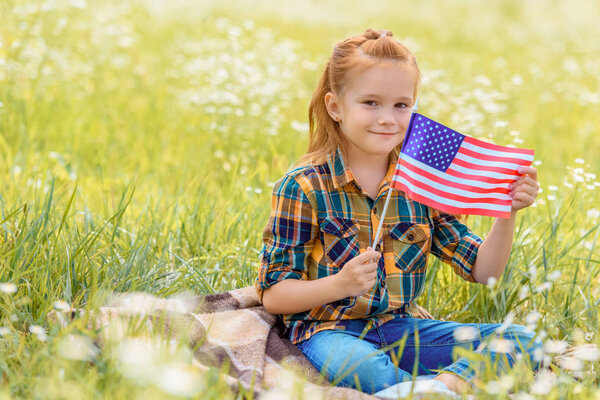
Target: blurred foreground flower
[544,382]
[8,288]
[39,332]
[465,334]
[555,346]
[77,347]
[501,345]
[62,305]
[179,379]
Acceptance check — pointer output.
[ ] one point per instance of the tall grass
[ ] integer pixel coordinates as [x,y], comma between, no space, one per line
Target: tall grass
[139,142]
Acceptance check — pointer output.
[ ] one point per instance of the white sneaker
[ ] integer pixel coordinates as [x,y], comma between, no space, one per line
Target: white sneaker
[418,388]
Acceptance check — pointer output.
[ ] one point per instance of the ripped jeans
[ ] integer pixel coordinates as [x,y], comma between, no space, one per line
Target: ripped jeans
[371,359]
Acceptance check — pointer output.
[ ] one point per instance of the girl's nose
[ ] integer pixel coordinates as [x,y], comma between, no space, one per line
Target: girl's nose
[386,118]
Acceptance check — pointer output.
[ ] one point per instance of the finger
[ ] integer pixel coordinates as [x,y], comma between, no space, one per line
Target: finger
[524,180]
[531,171]
[532,190]
[368,256]
[369,268]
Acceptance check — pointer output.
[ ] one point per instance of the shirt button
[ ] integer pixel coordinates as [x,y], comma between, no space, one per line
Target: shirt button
[410,236]
[375,210]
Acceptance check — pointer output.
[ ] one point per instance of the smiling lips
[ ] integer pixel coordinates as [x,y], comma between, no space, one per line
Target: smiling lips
[385,133]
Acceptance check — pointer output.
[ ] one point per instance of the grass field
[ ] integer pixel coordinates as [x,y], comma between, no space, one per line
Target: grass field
[139,143]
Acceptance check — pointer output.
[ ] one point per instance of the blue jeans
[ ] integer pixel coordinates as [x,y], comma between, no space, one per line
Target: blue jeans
[371,359]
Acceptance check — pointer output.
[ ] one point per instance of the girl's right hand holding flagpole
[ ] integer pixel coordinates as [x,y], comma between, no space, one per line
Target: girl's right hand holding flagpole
[292,296]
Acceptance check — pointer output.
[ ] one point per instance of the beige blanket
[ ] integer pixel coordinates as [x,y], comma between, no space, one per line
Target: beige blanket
[231,329]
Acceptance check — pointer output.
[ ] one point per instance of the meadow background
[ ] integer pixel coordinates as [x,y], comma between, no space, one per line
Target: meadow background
[140,140]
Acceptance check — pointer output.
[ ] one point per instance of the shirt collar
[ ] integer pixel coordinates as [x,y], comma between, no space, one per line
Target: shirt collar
[342,175]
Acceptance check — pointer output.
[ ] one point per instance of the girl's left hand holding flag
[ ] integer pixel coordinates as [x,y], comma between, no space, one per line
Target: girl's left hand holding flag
[525,189]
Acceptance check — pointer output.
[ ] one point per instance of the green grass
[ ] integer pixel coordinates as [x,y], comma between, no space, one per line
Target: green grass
[139,142]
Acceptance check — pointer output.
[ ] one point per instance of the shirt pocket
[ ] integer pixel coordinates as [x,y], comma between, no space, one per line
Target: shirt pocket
[411,244]
[340,241]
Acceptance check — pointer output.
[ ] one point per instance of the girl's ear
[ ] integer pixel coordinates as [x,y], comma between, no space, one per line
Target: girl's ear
[333,106]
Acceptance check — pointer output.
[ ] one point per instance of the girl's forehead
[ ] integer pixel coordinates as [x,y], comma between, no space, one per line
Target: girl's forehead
[382,75]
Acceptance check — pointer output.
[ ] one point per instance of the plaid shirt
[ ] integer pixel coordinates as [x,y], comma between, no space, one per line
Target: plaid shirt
[321,218]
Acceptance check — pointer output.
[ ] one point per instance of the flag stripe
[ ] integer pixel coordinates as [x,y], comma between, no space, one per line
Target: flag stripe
[452,193]
[452,206]
[483,168]
[494,149]
[417,166]
[481,175]
[432,175]
[475,158]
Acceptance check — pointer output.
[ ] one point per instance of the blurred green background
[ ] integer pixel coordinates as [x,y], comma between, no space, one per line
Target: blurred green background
[139,143]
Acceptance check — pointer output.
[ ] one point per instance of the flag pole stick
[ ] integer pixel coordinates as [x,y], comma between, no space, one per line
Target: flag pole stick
[385,207]
[415,107]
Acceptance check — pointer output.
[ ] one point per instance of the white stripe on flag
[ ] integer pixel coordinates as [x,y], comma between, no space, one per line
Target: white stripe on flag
[486,163]
[453,203]
[453,190]
[496,153]
[488,174]
[470,182]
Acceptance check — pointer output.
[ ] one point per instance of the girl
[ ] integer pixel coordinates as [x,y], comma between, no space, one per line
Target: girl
[346,305]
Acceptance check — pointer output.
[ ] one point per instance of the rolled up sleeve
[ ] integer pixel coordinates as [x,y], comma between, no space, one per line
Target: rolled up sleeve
[455,244]
[288,238]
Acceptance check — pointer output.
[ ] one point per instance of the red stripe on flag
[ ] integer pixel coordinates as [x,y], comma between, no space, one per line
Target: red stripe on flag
[406,164]
[477,167]
[450,209]
[486,157]
[495,147]
[452,196]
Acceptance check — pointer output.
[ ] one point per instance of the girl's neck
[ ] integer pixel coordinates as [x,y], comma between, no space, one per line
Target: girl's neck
[368,171]
[362,162]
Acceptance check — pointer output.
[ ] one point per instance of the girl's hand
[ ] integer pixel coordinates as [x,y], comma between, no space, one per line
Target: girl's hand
[525,189]
[359,275]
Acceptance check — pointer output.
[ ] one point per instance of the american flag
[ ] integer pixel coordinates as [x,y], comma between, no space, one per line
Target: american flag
[454,173]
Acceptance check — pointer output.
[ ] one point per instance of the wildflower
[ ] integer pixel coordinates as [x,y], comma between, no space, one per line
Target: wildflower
[523,292]
[555,346]
[491,282]
[179,380]
[4,331]
[580,161]
[532,319]
[544,286]
[77,347]
[62,305]
[544,382]
[501,345]
[465,334]
[572,364]
[553,188]
[523,396]
[586,353]
[39,332]
[510,317]
[8,288]
[554,275]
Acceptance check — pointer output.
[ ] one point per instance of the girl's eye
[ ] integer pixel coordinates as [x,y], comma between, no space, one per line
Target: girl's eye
[370,102]
[401,105]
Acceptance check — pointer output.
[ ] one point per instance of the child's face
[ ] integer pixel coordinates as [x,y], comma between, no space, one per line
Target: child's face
[374,109]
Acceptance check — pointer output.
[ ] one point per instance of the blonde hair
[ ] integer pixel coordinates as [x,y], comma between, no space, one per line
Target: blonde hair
[363,51]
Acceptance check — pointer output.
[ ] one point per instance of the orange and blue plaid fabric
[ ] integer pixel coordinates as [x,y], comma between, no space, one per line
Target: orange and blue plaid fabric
[321,218]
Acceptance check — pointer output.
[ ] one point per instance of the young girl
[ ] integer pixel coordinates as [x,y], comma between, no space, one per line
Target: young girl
[346,305]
